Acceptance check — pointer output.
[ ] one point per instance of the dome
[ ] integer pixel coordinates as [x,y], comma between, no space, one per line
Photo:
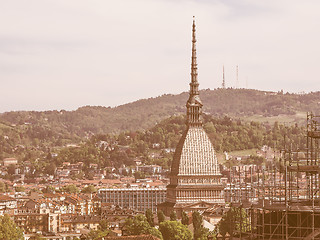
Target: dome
[195,155]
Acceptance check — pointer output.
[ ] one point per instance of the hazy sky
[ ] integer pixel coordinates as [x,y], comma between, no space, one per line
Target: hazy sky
[63,54]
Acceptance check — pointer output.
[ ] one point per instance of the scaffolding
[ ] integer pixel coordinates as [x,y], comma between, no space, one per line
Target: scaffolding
[282,200]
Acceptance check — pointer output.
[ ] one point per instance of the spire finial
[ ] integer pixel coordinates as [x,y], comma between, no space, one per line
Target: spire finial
[194,71]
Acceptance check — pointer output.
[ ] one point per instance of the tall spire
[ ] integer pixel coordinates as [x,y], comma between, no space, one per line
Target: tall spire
[195,174]
[194,104]
[194,69]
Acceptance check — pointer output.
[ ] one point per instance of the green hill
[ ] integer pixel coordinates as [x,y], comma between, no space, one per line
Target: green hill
[145,127]
[245,104]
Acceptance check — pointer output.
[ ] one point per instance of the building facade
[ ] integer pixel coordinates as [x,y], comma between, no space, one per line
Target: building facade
[139,199]
[195,175]
[7,205]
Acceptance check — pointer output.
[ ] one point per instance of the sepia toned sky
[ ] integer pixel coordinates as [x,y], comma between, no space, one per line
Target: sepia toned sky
[63,54]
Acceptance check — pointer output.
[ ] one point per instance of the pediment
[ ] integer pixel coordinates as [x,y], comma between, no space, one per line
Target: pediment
[200,205]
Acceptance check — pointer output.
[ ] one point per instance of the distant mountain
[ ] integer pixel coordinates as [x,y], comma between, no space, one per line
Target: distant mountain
[142,114]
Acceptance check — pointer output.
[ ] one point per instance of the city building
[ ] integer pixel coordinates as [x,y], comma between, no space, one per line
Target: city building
[150,169]
[9,161]
[195,176]
[7,204]
[139,199]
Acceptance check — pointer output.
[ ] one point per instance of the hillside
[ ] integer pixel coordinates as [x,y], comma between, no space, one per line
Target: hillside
[142,114]
[152,146]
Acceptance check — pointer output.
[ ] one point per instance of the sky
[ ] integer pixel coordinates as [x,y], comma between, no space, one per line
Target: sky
[64,54]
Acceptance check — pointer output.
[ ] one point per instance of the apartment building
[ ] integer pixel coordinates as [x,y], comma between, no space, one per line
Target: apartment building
[139,199]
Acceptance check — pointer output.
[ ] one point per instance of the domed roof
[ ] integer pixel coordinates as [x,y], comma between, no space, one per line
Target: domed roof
[195,154]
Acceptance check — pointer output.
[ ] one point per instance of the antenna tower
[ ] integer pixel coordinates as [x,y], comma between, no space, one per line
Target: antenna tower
[237,72]
[223,80]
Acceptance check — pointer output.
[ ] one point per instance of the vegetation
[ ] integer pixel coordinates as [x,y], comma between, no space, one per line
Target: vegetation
[139,225]
[185,218]
[3,187]
[174,230]
[117,150]
[39,139]
[70,189]
[173,216]
[102,231]
[150,218]
[49,189]
[199,232]
[160,216]
[65,126]
[89,189]
[235,120]
[230,222]
[19,189]
[9,230]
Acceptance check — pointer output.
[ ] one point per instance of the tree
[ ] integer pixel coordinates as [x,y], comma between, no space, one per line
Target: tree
[9,230]
[37,190]
[70,189]
[3,187]
[97,234]
[161,216]
[49,156]
[139,225]
[139,175]
[89,189]
[173,216]
[140,147]
[103,225]
[149,216]
[200,233]
[20,189]
[102,231]
[49,189]
[230,222]
[209,127]
[50,168]
[174,230]
[11,169]
[185,218]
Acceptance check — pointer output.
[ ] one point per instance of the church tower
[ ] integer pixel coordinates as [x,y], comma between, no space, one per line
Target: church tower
[195,174]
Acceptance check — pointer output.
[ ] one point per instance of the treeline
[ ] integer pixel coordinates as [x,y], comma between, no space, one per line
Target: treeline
[154,145]
[229,135]
[143,114]
[226,134]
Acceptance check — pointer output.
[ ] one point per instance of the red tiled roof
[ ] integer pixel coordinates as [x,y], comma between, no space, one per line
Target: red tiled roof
[136,237]
[9,159]
[52,195]
[90,181]
[111,181]
[6,198]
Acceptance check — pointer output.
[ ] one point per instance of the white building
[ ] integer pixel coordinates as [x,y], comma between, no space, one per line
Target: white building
[139,199]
